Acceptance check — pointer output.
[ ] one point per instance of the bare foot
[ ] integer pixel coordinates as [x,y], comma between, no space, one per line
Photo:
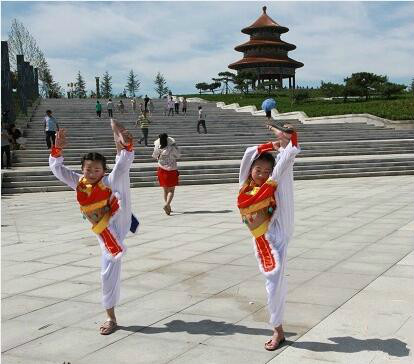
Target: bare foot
[167,209]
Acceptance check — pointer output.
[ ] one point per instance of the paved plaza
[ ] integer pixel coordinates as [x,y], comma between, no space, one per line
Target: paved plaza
[192,292]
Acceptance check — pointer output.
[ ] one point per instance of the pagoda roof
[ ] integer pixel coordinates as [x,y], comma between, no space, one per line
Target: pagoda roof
[259,42]
[264,21]
[265,60]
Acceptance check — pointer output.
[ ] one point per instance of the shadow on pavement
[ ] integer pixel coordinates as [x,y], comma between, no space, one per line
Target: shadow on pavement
[348,344]
[203,327]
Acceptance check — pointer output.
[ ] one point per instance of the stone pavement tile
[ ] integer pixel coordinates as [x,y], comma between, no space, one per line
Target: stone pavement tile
[223,305]
[62,272]
[213,354]
[23,284]
[11,359]
[64,313]
[334,253]
[240,248]
[247,260]
[18,332]
[139,348]
[400,270]
[186,267]
[371,256]
[69,344]
[154,280]
[408,260]
[89,262]
[22,304]
[165,300]
[146,264]
[330,296]
[341,280]
[251,291]
[66,258]
[177,254]
[361,268]
[213,257]
[27,268]
[319,265]
[201,284]
[62,290]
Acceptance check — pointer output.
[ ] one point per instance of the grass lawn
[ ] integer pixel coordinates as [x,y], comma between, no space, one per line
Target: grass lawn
[399,108]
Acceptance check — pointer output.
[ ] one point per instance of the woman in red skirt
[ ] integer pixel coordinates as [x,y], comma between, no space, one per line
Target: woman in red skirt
[166,153]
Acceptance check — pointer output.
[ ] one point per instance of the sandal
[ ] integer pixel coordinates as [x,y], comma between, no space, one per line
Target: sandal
[273,344]
[108,327]
[167,209]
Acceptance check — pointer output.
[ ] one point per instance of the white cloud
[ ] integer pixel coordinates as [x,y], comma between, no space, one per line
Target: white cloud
[191,42]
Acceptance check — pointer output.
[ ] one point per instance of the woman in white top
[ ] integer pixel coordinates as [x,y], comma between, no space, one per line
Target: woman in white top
[166,153]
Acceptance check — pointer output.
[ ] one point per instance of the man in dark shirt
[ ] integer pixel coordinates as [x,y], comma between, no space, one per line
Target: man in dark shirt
[146,100]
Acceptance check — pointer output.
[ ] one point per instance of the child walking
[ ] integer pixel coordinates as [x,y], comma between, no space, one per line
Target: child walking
[166,153]
[201,120]
[106,202]
[267,208]
[144,124]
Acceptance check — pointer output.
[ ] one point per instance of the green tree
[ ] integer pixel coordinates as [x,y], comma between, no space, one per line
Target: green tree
[106,86]
[226,78]
[213,86]
[20,41]
[80,86]
[330,89]
[388,89]
[202,86]
[412,86]
[160,85]
[363,84]
[133,84]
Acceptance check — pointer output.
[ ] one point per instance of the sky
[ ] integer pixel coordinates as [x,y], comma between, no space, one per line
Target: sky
[190,42]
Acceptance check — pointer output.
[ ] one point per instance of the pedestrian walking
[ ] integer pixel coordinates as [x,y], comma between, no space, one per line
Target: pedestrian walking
[5,147]
[109,107]
[201,120]
[51,127]
[184,109]
[98,108]
[144,122]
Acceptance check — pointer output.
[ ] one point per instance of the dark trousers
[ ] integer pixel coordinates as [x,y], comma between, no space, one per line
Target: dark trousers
[99,113]
[50,135]
[203,124]
[145,136]
[5,149]
[110,113]
[177,108]
[170,111]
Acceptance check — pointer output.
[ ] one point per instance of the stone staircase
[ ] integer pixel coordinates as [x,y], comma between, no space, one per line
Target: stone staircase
[328,151]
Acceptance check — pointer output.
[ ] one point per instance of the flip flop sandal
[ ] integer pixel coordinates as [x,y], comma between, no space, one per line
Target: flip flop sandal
[108,327]
[274,346]
[280,127]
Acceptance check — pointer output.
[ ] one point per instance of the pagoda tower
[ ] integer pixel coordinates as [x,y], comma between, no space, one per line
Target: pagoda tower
[265,54]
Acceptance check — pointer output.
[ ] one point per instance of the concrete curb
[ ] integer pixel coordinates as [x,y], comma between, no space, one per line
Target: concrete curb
[334,119]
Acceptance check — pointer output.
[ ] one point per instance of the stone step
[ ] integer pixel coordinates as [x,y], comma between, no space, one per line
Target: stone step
[219,180]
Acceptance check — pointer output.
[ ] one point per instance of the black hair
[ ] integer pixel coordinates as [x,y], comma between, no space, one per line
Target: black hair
[163,140]
[199,107]
[92,156]
[48,111]
[266,157]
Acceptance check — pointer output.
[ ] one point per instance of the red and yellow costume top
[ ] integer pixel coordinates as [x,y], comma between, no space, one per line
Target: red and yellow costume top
[257,205]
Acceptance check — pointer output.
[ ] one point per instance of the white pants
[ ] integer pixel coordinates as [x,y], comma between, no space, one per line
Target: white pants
[111,282]
[276,287]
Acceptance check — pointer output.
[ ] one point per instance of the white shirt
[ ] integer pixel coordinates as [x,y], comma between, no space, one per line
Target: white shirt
[166,157]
